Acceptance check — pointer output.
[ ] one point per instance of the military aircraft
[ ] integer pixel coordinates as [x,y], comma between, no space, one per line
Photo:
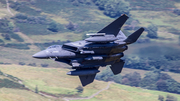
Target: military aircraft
[103,48]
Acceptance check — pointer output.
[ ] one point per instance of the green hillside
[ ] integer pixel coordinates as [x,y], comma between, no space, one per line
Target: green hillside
[57,85]
[7,94]
[37,24]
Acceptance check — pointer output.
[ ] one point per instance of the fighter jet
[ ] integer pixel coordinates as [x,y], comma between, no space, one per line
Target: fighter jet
[103,48]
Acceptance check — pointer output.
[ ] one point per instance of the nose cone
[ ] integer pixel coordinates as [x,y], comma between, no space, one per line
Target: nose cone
[40,55]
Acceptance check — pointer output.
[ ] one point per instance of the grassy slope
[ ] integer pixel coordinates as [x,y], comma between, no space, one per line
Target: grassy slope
[7,94]
[164,19]
[55,81]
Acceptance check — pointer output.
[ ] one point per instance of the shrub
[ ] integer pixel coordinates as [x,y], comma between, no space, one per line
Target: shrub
[113,8]
[152,31]
[1,62]
[53,27]
[15,5]
[21,16]
[71,26]
[6,36]
[32,64]
[80,89]
[16,37]
[22,63]
[44,65]
[132,79]
[18,46]
[171,98]
[161,98]
[36,89]
[176,11]
[1,41]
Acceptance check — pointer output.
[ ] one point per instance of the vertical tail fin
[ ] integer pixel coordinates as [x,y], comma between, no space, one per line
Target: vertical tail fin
[115,26]
[134,36]
[87,79]
[117,67]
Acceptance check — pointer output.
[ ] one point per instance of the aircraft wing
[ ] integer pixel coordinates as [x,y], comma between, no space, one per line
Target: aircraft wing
[86,76]
[87,79]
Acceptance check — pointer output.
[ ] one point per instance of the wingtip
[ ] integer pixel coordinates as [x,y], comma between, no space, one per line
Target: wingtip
[124,15]
[142,28]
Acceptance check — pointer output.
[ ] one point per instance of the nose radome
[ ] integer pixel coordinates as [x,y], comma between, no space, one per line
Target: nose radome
[40,55]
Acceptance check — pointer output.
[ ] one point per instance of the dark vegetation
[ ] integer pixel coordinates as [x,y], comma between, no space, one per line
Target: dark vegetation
[36,25]
[113,8]
[18,46]
[22,18]
[79,2]
[164,58]
[24,7]
[36,89]
[107,75]
[22,63]
[32,64]
[1,42]
[152,31]
[44,65]
[6,28]
[5,63]
[154,80]
[71,26]
[152,5]
[171,98]
[80,89]
[168,98]
[176,11]
[10,82]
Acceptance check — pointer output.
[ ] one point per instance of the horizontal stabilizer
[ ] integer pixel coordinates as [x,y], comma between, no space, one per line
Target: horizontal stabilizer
[114,27]
[117,67]
[87,79]
[134,36]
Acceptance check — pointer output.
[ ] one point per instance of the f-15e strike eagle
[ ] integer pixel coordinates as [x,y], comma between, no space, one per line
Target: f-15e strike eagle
[103,48]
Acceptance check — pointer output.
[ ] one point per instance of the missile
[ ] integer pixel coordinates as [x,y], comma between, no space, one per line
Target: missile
[87,52]
[94,58]
[83,72]
[100,39]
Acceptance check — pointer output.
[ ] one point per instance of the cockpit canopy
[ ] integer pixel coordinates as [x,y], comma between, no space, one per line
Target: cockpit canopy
[70,48]
[54,46]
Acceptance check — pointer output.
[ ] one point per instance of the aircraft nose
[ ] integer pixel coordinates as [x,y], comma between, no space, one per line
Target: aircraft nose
[40,55]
